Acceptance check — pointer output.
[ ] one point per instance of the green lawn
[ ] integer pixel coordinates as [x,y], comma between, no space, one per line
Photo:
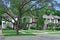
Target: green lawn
[27,32]
[21,32]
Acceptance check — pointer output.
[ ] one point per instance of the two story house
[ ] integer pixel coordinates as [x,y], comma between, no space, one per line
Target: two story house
[51,18]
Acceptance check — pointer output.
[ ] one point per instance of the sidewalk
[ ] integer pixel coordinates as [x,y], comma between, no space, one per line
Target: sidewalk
[37,37]
[1,35]
[0,32]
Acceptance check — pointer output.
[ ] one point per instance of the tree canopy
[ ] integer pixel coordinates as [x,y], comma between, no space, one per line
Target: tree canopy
[22,8]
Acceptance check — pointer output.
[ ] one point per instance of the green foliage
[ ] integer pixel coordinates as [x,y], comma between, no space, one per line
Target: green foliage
[8,25]
[52,25]
[58,27]
[57,12]
[24,23]
[3,8]
[19,9]
[32,27]
[15,11]
[40,20]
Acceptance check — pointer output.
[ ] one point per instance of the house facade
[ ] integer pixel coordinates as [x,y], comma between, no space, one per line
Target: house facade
[51,18]
[5,22]
[32,21]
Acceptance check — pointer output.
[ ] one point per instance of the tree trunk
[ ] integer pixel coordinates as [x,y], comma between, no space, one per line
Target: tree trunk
[28,26]
[19,22]
[18,26]
[17,31]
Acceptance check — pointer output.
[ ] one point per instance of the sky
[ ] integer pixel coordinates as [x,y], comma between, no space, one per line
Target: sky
[58,1]
[57,7]
[8,4]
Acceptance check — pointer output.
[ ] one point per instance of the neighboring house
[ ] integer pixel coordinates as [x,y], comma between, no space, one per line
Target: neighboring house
[51,18]
[4,22]
[32,20]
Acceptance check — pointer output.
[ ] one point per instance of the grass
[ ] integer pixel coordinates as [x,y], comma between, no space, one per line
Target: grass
[13,33]
[27,32]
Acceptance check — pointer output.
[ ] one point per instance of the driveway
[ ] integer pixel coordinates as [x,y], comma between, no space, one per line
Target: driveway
[37,37]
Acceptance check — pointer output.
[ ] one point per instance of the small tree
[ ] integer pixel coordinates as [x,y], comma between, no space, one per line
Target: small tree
[52,25]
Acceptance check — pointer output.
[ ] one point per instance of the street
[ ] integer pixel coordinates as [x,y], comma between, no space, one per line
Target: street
[37,37]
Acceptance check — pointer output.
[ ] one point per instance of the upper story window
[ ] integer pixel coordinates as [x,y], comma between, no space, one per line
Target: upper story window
[58,19]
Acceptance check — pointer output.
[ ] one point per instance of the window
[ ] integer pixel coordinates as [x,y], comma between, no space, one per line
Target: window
[58,19]
[52,20]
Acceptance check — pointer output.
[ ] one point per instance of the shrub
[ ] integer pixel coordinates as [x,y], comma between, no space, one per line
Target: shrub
[52,25]
[32,27]
[58,28]
[8,25]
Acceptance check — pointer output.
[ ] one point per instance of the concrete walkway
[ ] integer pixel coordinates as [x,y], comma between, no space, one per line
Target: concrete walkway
[1,35]
[0,32]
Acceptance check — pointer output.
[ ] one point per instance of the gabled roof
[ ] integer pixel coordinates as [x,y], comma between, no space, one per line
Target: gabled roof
[51,17]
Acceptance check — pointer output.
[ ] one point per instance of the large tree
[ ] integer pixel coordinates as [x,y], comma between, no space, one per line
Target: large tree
[24,7]
[2,10]
[21,7]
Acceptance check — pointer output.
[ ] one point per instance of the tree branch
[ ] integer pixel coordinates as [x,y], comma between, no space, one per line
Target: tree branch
[29,9]
[25,3]
[9,13]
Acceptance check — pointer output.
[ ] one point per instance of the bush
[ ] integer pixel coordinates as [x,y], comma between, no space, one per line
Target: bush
[32,27]
[8,25]
[52,26]
[58,28]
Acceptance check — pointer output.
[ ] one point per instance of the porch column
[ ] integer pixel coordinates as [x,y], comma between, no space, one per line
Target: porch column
[30,23]
[50,20]
[54,21]
[57,20]
[45,24]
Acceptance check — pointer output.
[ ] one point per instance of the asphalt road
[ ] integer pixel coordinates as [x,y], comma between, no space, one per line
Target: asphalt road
[37,37]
